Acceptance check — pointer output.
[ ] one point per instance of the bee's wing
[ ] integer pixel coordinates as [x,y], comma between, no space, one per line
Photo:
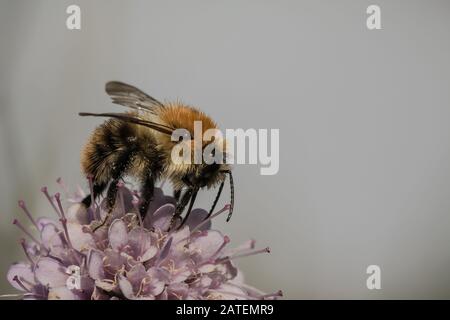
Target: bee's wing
[131,97]
[128,117]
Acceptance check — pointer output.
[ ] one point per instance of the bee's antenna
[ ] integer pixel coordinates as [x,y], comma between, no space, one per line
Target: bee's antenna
[232,196]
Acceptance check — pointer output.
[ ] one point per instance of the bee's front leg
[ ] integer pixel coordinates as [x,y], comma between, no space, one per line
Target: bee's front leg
[191,204]
[219,192]
[181,205]
[177,194]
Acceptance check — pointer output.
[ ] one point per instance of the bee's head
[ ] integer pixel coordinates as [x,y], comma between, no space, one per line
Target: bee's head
[196,150]
[206,175]
[198,163]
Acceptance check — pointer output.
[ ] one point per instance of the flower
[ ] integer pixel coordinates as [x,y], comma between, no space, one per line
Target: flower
[75,257]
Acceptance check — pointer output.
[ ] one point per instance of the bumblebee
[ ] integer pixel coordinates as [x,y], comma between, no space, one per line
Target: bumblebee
[139,143]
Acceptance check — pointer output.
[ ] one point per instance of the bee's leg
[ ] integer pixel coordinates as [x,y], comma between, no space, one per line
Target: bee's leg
[97,189]
[110,201]
[147,191]
[219,192]
[181,205]
[118,170]
[177,194]
[111,195]
[183,202]
[121,164]
[191,204]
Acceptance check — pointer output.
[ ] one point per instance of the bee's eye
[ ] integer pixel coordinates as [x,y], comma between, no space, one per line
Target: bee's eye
[185,136]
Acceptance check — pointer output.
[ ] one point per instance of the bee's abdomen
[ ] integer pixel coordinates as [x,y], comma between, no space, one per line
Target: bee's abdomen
[114,148]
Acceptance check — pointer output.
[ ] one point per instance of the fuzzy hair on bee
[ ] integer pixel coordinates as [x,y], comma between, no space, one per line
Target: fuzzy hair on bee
[139,143]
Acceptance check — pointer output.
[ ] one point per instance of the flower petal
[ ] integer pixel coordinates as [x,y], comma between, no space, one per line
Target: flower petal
[42,221]
[95,265]
[165,250]
[177,290]
[159,200]
[105,285]
[229,292]
[156,285]
[50,272]
[99,295]
[79,239]
[62,293]
[113,261]
[205,246]
[161,217]
[150,253]
[23,272]
[196,217]
[118,234]
[126,287]
[77,213]
[140,240]
[136,275]
[51,239]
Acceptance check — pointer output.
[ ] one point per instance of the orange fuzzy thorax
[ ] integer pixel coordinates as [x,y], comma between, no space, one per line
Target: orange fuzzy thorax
[180,116]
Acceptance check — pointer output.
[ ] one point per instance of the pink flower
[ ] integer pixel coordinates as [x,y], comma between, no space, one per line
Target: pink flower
[128,258]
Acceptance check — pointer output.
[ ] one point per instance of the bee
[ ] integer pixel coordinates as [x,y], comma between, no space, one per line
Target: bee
[139,143]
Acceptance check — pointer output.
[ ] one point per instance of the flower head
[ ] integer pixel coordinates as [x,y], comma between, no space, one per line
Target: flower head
[73,257]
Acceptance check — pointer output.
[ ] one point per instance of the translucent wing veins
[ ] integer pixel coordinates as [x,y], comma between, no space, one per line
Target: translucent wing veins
[131,97]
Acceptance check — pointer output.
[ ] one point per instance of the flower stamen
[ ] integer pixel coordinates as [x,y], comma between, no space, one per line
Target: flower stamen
[19,225]
[25,209]
[224,209]
[23,244]
[226,240]
[66,231]
[44,190]
[242,255]
[63,186]
[20,283]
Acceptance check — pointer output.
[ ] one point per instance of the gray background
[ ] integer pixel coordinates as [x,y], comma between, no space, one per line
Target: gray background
[363,117]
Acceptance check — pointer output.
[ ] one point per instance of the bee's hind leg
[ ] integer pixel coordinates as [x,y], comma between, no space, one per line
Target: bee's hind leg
[118,170]
[147,191]
[111,196]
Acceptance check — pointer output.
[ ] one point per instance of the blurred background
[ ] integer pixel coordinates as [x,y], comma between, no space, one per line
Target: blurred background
[363,116]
